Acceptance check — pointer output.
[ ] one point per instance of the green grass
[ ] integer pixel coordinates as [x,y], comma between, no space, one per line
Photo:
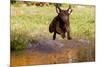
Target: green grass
[83,23]
[31,23]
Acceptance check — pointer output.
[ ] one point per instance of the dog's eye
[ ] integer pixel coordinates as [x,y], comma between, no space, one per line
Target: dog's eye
[65,12]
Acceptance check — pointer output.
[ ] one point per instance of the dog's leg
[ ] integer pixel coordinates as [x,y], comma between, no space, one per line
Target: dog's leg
[54,36]
[68,35]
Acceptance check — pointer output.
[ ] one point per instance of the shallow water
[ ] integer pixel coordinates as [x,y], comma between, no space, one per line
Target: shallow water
[47,53]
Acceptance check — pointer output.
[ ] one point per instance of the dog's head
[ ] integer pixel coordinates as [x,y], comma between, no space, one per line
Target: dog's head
[65,12]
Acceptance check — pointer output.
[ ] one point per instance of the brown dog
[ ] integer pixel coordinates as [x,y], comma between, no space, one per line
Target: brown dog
[60,24]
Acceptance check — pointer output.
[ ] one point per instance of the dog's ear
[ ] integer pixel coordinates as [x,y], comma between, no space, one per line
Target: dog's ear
[58,9]
[69,10]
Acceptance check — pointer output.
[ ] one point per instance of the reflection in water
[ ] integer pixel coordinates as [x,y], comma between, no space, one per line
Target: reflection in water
[33,58]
